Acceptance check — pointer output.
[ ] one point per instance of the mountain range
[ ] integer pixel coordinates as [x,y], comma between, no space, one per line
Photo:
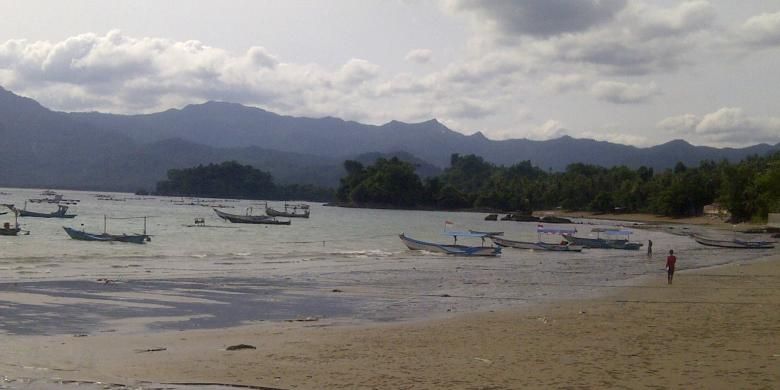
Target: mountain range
[90,150]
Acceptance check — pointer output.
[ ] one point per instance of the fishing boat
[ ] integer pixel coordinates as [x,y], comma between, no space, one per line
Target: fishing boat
[60,213]
[540,245]
[105,236]
[11,230]
[488,234]
[290,211]
[617,239]
[734,244]
[249,218]
[454,249]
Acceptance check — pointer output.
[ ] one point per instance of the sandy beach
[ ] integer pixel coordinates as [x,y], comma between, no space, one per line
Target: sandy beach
[717,327]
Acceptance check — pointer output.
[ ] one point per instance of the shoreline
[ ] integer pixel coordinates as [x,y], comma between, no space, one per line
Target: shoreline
[716,327]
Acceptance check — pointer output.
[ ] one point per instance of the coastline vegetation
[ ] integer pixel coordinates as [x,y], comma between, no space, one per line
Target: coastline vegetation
[748,189]
[233,180]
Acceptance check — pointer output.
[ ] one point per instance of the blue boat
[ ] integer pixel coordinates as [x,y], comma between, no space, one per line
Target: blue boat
[131,238]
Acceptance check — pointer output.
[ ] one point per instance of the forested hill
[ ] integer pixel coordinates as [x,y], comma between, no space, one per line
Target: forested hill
[46,148]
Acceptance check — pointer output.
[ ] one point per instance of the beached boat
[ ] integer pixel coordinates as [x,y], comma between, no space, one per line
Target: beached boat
[735,243]
[290,211]
[486,233]
[605,243]
[60,213]
[249,218]
[454,249]
[541,245]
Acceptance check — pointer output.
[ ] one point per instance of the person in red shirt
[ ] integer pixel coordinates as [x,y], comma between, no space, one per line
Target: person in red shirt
[670,261]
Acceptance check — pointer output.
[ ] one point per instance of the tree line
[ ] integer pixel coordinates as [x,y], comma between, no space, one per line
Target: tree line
[233,180]
[748,189]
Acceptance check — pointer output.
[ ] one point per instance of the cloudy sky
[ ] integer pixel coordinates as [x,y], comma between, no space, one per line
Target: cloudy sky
[628,71]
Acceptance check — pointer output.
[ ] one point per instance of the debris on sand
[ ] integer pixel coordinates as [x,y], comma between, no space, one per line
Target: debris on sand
[239,347]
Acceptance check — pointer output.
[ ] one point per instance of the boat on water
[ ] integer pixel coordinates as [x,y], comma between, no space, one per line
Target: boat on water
[734,244]
[616,239]
[135,238]
[60,213]
[7,229]
[249,218]
[540,245]
[453,249]
[290,211]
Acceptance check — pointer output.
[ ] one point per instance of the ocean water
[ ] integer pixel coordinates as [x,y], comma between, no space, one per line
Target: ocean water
[345,263]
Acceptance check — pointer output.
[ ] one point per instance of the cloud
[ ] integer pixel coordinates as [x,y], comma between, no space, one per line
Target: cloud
[119,73]
[622,93]
[548,130]
[610,37]
[560,83]
[420,56]
[540,18]
[761,30]
[726,126]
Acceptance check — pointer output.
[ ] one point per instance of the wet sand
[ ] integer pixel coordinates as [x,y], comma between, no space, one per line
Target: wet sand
[713,328]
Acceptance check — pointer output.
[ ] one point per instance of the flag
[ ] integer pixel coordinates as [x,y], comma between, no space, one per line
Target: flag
[449,223]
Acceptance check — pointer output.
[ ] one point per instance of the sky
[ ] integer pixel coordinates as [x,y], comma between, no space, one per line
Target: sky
[628,71]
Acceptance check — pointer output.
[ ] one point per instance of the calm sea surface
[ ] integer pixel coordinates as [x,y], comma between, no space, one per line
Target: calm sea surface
[355,251]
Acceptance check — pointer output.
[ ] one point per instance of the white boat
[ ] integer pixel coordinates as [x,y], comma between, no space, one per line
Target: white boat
[541,245]
[454,249]
[735,243]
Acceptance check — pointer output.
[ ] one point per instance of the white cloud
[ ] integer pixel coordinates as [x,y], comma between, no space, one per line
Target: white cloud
[548,130]
[558,83]
[622,93]
[420,56]
[761,30]
[726,126]
[615,137]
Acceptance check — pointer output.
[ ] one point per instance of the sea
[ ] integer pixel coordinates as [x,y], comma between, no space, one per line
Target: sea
[341,265]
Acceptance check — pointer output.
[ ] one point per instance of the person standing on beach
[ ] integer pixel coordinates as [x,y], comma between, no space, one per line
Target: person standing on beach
[649,248]
[670,262]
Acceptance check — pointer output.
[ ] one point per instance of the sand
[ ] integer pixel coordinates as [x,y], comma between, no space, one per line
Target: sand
[713,328]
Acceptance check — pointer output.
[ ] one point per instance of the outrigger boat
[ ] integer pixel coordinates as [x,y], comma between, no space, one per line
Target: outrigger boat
[541,245]
[249,218]
[454,249]
[605,243]
[734,244]
[60,213]
[289,214]
[105,236]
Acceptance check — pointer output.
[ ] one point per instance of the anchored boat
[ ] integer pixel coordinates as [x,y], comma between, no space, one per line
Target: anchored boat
[539,244]
[616,239]
[249,218]
[105,236]
[453,249]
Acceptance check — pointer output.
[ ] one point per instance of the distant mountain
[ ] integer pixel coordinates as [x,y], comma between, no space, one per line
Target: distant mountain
[233,125]
[126,152]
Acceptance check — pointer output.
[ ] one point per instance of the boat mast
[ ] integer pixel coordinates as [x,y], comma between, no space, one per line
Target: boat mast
[105,222]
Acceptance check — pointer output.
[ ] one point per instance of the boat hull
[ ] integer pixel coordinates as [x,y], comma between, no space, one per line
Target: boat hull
[25,213]
[539,246]
[85,236]
[600,243]
[734,244]
[251,219]
[276,213]
[457,250]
